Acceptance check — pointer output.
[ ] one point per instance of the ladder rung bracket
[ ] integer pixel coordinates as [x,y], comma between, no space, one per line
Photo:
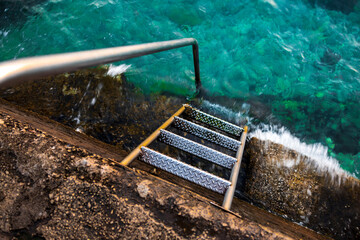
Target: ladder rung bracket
[213,121]
[196,149]
[184,170]
[206,134]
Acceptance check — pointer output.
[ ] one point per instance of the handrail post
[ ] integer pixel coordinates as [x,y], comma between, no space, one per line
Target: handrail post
[195,48]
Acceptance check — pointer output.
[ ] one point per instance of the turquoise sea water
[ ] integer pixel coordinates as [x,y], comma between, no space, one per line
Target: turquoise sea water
[298,61]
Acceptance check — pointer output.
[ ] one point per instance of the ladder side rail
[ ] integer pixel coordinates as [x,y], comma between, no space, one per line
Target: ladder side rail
[135,153]
[16,71]
[229,195]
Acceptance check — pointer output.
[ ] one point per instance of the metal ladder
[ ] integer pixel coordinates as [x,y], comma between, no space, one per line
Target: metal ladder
[187,171]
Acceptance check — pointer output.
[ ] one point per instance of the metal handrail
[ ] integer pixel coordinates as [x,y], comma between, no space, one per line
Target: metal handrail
[16,71]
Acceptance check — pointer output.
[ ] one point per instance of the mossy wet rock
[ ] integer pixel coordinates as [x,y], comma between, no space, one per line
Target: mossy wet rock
[105,107]
[288,184]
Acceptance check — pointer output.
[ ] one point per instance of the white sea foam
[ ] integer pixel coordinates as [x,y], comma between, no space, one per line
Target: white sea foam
[272,3]
[116,70]
[316,152]
[230,115]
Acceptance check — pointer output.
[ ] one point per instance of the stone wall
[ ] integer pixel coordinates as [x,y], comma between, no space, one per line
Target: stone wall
[288,184]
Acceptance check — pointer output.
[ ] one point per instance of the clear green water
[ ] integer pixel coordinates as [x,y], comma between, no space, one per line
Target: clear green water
[301,62]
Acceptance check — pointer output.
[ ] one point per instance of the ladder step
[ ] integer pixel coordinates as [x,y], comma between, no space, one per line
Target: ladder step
[184,170]
[206,134]
[196,149]
[213,121]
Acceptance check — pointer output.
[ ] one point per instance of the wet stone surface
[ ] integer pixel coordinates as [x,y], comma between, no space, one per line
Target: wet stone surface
[54,190]
[288,184]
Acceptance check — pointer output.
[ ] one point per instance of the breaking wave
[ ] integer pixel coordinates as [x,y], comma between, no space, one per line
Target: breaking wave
[317,153]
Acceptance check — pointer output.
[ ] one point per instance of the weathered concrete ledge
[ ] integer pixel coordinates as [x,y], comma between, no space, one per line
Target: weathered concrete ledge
[53,189]
[289,184]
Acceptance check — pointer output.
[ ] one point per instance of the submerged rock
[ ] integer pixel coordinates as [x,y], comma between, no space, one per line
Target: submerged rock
[289,184]
[345,6]
[330,58]
[16,11]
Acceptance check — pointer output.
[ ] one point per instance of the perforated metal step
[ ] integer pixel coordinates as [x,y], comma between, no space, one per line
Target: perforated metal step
[196,149]
[213,121]
[187,171]
[184,170]
[206,134]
